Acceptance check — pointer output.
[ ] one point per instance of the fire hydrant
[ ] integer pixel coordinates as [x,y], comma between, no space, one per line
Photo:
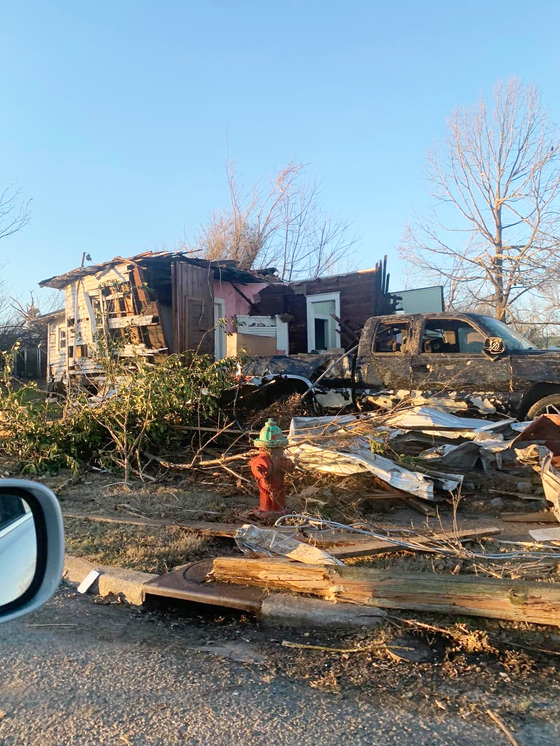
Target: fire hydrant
[269,468]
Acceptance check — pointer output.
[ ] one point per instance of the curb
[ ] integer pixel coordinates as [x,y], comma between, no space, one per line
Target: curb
[128,583]
[277,609]
[285,610]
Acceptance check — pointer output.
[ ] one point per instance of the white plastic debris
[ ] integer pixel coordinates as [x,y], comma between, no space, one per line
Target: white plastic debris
[551,483]
[545,534]
[268,542]
[88,581]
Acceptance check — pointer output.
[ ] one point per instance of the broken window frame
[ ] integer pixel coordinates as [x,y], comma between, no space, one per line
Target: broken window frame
[450,321]
[407,326]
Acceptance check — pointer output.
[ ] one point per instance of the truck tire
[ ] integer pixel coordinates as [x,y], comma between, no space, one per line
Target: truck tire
[548,405]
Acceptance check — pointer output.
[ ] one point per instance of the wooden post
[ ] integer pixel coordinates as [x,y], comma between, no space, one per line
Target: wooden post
[516,600]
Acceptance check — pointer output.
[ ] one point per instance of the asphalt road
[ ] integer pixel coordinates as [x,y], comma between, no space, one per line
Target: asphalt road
[109,677]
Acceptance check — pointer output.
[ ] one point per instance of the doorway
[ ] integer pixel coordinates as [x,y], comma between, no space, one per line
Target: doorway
[219,329]
[322,331]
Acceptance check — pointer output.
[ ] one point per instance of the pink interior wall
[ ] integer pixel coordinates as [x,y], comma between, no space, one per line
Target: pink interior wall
[235,304]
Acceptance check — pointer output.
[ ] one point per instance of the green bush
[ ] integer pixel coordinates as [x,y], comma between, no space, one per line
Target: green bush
[137,409]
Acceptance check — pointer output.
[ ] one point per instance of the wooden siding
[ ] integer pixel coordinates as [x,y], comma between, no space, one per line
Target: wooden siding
[193,307]
[56,358]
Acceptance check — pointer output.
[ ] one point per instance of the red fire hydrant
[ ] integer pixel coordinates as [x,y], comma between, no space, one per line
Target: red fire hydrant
[269,468]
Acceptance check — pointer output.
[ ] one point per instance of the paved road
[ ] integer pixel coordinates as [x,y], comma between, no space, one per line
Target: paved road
[114,678]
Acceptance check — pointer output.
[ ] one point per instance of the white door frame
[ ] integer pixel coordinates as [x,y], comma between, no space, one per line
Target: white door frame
[311,299]
[219,332]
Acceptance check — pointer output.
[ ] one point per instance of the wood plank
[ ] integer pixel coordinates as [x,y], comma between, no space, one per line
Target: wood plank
[121,322]
[207,528]
[422,506]
[377,546]
[543,516]
[515,600]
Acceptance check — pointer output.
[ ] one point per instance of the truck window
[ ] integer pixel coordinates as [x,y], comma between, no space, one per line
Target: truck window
[451,335]
[391,337]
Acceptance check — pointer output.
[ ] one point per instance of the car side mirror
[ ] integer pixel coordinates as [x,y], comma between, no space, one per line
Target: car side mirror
[31,546]
[494,346]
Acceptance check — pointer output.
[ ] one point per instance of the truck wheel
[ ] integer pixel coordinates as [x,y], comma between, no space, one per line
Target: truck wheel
[548,405]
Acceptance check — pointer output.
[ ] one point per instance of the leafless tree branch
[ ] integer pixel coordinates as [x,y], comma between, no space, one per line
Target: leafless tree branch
[492,235]
[279,224]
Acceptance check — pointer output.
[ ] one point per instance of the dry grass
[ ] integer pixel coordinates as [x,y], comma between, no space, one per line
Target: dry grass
[155,550]
[150,549]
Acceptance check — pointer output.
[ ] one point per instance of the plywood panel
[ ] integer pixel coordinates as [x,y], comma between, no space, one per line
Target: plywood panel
[193,308]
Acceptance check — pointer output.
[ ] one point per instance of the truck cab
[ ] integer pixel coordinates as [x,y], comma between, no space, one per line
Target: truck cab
[469,357]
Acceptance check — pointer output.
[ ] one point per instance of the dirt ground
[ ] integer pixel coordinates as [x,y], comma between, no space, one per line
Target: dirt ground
[471,665]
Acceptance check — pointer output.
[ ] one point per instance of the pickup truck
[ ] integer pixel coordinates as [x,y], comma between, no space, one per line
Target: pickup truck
[474,362]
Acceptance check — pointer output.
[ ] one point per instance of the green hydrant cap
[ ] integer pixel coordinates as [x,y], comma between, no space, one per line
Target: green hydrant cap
[271,436]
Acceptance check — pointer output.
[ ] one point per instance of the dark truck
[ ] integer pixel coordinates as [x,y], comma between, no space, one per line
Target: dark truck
[473,360]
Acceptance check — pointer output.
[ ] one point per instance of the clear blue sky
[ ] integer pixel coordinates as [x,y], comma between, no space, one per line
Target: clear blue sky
[115,114]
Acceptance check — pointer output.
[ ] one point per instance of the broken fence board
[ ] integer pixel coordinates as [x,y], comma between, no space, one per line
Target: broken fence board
[515,600]
[378,546]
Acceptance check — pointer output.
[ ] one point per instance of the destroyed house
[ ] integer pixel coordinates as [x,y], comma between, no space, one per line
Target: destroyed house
[160,303]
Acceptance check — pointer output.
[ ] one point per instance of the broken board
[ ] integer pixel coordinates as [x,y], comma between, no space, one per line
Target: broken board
[515,600]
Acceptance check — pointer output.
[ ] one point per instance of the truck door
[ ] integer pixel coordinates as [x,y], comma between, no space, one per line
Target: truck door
[451,359]
[384,357]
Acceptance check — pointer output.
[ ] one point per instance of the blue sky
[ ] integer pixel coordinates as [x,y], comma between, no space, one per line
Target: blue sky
[115,115]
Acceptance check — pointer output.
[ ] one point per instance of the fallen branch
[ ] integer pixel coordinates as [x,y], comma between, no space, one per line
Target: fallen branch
[303,646]
[500,723]
[208,529]
[209,462]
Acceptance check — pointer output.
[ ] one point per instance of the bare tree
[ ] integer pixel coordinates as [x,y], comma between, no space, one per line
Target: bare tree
[492,233]
[279,224]
[14,212]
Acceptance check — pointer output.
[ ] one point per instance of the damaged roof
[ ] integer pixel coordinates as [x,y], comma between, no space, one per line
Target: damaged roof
[226,270]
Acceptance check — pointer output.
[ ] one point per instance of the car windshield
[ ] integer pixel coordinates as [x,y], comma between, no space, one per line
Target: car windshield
[513,341]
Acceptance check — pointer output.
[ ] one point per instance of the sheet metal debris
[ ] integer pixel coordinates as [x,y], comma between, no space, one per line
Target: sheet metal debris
[327,444]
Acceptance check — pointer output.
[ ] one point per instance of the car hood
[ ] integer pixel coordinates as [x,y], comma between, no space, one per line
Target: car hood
[549,354]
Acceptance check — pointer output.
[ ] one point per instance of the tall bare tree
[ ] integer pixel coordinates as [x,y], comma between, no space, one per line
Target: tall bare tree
[278,224]
[492,234]
[14,212]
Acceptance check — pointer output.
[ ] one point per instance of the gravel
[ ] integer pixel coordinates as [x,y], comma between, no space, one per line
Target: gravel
[115,678]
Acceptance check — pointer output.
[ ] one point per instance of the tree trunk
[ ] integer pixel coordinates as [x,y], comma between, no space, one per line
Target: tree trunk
[515,600]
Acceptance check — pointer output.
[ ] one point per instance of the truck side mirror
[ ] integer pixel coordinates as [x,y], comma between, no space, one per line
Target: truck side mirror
[31,546]
[494,346]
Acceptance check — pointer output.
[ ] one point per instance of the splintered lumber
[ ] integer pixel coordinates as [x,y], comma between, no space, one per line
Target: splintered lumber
[515,600]
[378,546]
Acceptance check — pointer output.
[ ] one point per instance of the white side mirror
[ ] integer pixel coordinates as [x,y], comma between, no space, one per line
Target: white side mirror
[31,546]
